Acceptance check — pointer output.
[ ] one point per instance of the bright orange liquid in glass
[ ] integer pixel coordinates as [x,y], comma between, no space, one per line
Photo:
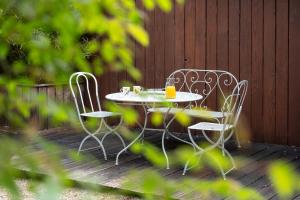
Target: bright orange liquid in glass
[170,92]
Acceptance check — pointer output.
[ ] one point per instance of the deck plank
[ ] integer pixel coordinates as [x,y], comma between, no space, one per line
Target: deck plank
[252,172]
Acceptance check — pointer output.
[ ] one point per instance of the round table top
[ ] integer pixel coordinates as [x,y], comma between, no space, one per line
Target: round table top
[153,97]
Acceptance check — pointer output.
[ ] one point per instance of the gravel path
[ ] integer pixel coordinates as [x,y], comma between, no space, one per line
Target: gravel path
[68,194]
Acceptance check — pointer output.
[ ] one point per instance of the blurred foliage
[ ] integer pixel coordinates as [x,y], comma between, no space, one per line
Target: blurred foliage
[153,185]
[45,41]
[284,178]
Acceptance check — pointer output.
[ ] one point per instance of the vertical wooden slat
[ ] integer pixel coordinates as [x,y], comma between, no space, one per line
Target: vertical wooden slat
[59,94]
[35,112]
[43,119]
[169,21]
[159,33]
[189,36]
[257,70]
[140,53]
[294,71]
[222,35]
[211,45]
[222,45]
[51,97]
[234,37]
[245,51]
[282,57]
[257,40]
[200,37]
[150,52]
[179,36]
[269,70]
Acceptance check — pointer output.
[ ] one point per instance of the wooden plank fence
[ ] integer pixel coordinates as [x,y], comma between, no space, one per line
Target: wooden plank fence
[254,39]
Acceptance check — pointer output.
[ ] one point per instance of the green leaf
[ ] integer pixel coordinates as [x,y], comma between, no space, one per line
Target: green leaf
[181,2]
[157,119]
[183,118]
[3,50]
[283,178]
[149,4]
[165,5]
[139,34]
[108,51]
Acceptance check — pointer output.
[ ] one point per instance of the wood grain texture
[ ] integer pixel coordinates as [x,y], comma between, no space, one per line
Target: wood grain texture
[294,71]
[253,39]
[234,37]
[189,36]
[200,34]
[150,52]
[251,172]
[159,33]
[282,70]
[212,45]
[169,38]
[257,68]
[245,51]
[269,70]
[179,36]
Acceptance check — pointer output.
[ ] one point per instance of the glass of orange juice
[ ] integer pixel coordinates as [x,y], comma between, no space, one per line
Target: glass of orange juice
[170,88]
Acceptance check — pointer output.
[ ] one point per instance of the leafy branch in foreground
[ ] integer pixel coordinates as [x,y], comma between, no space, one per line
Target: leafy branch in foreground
[44,42]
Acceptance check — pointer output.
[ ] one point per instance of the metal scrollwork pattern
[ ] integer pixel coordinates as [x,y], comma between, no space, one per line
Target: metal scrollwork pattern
[205,83]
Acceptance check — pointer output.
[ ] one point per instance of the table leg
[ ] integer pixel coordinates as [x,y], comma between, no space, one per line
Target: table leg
[140,135]
[167,132]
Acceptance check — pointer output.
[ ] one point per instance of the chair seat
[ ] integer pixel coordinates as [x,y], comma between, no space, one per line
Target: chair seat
[191,112]
[207,126]
[100,114]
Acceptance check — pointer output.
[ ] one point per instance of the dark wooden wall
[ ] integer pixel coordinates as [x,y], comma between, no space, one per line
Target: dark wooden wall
[256,40]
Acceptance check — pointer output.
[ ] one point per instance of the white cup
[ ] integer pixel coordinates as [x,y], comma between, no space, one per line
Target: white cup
[125,90]
[137,89]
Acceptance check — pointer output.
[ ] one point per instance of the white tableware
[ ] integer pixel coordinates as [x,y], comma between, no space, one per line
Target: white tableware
[137,89]
[125,90]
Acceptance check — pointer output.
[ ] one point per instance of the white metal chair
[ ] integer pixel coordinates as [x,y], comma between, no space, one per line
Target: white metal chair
[206,83]
[233,105]
[86,109]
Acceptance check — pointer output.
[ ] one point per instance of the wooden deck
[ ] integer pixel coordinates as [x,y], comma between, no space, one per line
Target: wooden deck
[106,173]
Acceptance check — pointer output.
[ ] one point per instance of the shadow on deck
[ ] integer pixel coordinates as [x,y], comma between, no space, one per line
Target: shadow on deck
[106,173]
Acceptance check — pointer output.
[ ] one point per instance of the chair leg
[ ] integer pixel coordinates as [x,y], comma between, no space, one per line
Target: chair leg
[101,145]
[113,131]
[223,145]
[99,142]
[163,148]
[214,145]
[237,139]
[185,167]
[82,142]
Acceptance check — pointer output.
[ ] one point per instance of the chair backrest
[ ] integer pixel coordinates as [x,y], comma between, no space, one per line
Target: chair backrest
[205,83]
[83,80]
[234,103]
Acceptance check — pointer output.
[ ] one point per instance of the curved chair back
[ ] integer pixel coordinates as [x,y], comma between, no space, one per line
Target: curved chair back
[205,83]
[234,103]
[85,79]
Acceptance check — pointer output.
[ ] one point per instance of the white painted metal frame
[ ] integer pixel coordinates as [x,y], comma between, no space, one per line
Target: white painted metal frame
[205,82]
[233,104]
[96,111]
[148,103]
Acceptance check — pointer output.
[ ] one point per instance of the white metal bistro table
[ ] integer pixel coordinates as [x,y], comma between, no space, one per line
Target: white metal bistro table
[148,100]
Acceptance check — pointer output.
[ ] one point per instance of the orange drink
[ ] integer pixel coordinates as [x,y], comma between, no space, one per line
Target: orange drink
[170,92]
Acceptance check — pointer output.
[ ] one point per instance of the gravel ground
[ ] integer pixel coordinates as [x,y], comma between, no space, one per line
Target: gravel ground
[68,194]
